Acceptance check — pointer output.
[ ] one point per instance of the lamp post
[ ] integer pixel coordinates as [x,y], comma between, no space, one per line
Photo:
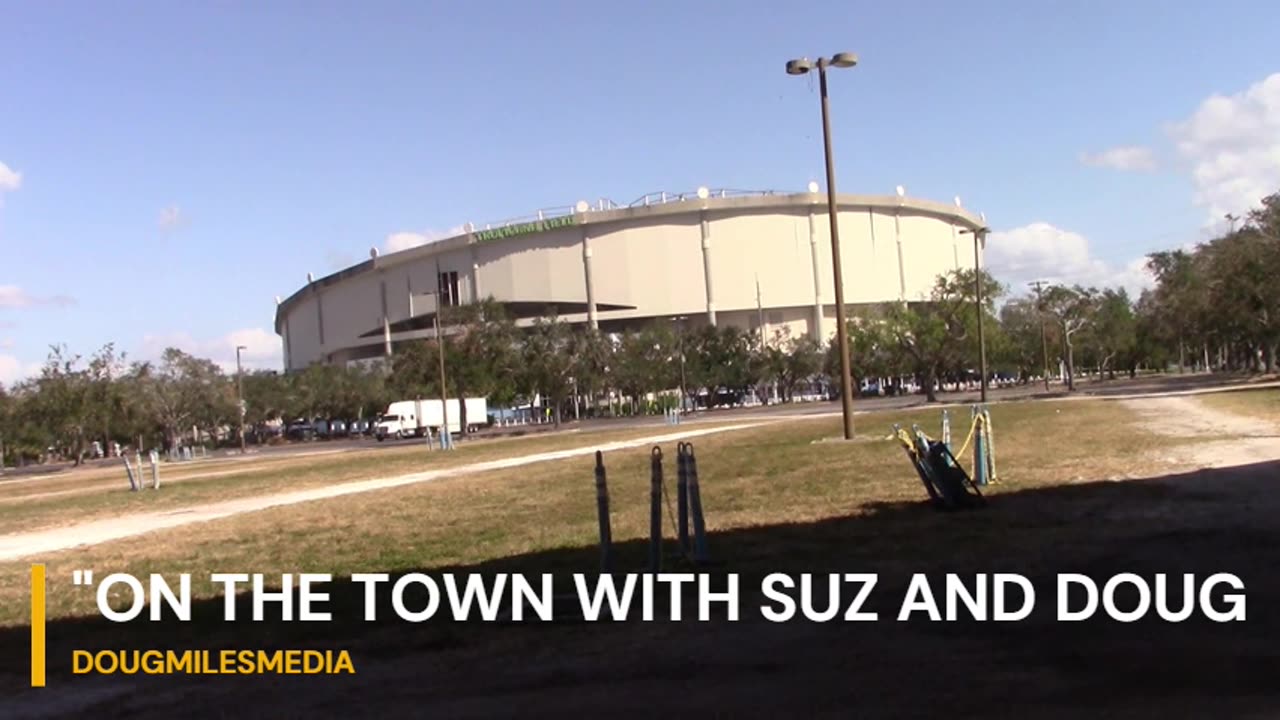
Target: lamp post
[239,395]
[979,240]
[800,67]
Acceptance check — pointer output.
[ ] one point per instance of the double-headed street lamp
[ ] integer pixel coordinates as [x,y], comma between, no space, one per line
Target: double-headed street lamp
[979,240]
[800,67]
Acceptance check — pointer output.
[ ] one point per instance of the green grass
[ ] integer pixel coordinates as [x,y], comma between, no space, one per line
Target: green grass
[1263,404]
[772,476]
[93,499]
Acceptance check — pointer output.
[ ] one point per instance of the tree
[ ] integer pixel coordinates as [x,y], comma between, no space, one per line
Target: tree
[642,361]
[62,404]
[1072,308]
[791,361]
[719,358]
[1022,347]
[1181,300]
[938,335]
[593,353]
[548,362]
[1113,333]
[481,353]
[182,390]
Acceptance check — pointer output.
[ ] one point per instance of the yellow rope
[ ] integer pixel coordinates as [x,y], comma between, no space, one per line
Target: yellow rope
[909,442]
[969,439]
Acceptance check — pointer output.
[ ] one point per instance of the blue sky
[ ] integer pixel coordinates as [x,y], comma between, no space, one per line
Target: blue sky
[167,169]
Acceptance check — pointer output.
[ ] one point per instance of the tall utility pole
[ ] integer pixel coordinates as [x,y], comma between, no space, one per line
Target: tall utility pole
[445,435]
[239,396]
[1044,339]
[979,240]
[800,67]
[446,438]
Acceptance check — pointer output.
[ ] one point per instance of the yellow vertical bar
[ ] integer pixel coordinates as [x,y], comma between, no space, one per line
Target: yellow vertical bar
[37,626]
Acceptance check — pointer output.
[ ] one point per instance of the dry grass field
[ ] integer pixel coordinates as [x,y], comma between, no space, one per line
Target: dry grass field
[1086,486]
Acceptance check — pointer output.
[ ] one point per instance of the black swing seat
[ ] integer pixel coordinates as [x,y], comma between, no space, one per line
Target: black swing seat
[948,485]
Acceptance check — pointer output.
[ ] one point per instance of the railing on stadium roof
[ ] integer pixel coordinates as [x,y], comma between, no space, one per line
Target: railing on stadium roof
[661,197]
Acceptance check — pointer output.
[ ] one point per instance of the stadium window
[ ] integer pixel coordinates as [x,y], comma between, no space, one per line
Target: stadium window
[447,283]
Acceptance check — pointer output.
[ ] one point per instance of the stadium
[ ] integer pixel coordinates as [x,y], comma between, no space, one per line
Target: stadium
[715,257]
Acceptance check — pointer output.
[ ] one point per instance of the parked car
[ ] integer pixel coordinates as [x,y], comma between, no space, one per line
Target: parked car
[359,427]
[337,428]
[300,430]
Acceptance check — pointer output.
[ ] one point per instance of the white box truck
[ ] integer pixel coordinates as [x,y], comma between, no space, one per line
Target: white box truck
[412,418]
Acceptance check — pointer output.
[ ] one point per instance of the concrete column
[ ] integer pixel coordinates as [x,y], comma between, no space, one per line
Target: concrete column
[475,276]
[320,315]
[817,278]
[706,269]
[592,319]
[902,272]
[386,323]
[955,244]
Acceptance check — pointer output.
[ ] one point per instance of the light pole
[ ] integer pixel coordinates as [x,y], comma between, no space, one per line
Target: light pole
[446,439]
[240,394]
[1044,339]
[800,67]
[980,239]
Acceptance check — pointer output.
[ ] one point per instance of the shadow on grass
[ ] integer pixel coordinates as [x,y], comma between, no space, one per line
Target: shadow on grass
[1203,523]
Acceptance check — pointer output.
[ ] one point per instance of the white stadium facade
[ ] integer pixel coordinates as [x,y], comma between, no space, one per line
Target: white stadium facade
[716,257]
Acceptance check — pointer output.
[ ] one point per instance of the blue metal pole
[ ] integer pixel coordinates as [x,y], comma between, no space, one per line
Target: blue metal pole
[655,510]
[979,455]
[682,497]
[991,445]
[602,511]
[133,483]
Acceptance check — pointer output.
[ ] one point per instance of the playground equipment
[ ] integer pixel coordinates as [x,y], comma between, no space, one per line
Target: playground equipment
[944,478]
[137,477]
[155,469]
[135,481]
[689,501]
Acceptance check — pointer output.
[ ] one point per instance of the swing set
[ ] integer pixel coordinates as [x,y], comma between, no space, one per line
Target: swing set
[944,478]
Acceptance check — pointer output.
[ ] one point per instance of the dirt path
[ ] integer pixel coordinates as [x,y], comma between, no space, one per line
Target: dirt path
[17,546]
[1241,440]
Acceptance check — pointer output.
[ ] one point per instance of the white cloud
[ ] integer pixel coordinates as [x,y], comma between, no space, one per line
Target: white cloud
[12,296]
[6,343]
[171,218]
[263,349]
[1128,157]
[404,240]
[1233,145]
[10,180]
[1040,251]
[13,370]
